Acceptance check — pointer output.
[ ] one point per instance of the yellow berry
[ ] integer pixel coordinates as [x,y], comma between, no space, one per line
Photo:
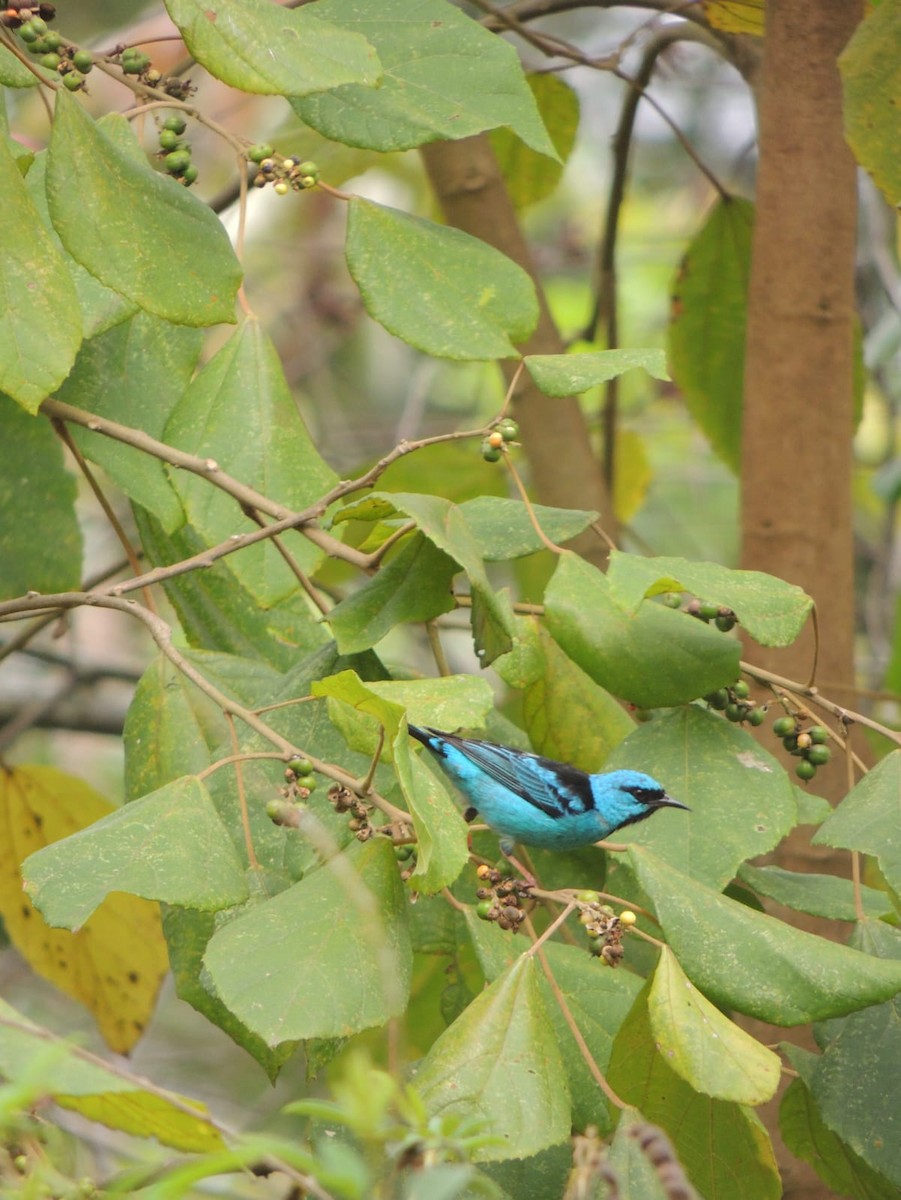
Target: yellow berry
[627,917]
[282,188]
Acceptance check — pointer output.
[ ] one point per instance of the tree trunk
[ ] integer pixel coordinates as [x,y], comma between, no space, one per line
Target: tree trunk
[798,403]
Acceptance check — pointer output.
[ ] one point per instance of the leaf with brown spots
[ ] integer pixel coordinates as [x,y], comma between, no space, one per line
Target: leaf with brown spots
[115,963]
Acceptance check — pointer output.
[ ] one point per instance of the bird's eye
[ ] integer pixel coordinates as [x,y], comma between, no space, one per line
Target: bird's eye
[646,795]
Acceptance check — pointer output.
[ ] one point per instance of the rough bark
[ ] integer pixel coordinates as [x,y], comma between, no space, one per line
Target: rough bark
[565,471]
[798,404]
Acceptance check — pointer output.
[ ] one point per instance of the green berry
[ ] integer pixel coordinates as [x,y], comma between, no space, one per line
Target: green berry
[508,429]
[308,168]
[190,175]
[818,734]
[707,611]
[38,46]
[718,699]
[724,623]
[818,755]
[169,140]
[53,39]
[300,766]
[791,743]
[404,852]
[587,897]
[175,124]
[136,63]
[261,150]
[308,181]
[177,162]
[490,453]
[805,770]
[483,910]
[736,712]
[83,60]
[73,81]
[740,690]
[784,726]
[39,25]
[756,716]
[51,61]
[672,600]
[28,33]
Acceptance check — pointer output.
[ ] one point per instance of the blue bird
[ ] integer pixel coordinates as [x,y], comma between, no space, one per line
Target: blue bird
[534,800]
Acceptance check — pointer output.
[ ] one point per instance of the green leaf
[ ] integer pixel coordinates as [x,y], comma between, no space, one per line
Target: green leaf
[445,77]
[501,1046]
[261,48]
[654,657]
[531,176]
[856,1084]
[567,716]
[101,307]
[34,1058]
[771,611]
[445,525]
[41,328]
[148,848]
[117,218]
[239,411]
[742,801]
[40,541]
[706,341]
[14,74]
[868,819]
[325,958]
[113,377]
[821,895]
[187,933]
[807,1136]
[702,1045]
[871,80]
[439,289]
[414,585]
[746,960]
[723,1146]
[569,374]
[504,529]
[637,1176]
[440,831]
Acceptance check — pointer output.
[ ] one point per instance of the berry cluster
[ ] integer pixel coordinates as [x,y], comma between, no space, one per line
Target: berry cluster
[604,928]
[735,705]
[136,62]
[405,853]
[31,24]
[175,152]
[284,173]
[495,444]
[721,615]
[299,783]
[807,744]
[343,800]
[500,897]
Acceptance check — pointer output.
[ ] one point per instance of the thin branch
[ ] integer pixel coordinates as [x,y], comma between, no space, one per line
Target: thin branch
[252,860]
[437,649]
[543,537]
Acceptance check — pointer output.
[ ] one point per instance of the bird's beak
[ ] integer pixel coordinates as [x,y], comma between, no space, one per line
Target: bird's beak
[668,802]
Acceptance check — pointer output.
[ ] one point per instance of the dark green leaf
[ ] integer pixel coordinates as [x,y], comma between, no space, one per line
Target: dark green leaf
[444,78]
[239,411]
[116,217]
[569,374]
[415,585]
[40,541]
[531,176]
[499,1062]
[325,958]
[706,344]
[822,895]
[749,961]
[653,657]
[148,848]
[437,288]
[807,1136]
[771,611]
[266,49]
[723,1146]
[504,529]
[41,328]
[742,801]
[116,375]
[856,1084]
[871,79]
[702,1045]
[869,819]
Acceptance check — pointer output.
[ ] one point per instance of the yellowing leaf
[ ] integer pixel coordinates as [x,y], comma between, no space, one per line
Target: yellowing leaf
[735,16]
[115,963]
[633,474]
